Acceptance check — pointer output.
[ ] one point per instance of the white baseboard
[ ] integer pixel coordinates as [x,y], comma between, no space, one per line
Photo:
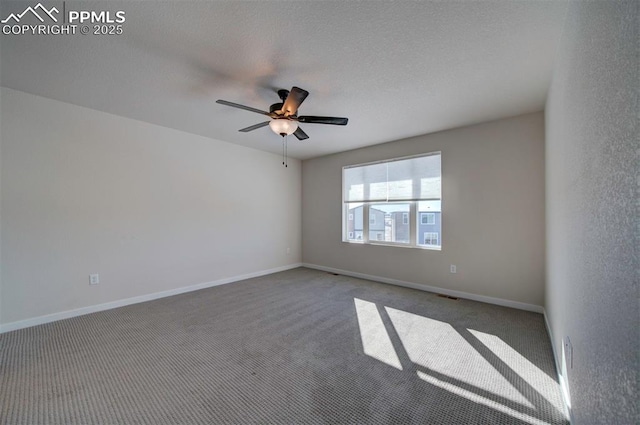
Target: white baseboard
[553,344]
[435,289]
[556,359]
[12,326]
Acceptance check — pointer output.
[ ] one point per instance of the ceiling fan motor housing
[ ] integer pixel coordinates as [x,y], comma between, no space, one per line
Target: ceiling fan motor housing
[276,107]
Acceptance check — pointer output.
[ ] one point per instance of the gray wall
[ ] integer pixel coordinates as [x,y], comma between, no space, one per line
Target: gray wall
[492,212]
[148,208]
[592,208]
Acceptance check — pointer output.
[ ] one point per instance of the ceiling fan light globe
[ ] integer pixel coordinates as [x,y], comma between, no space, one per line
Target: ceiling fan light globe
[283,127]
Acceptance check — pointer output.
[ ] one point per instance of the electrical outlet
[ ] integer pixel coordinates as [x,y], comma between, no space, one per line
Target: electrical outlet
[453,268]
[568,352]
[94,279]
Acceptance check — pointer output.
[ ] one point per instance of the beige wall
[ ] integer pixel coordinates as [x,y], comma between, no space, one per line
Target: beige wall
[148,208]
[592,208]
[493,212]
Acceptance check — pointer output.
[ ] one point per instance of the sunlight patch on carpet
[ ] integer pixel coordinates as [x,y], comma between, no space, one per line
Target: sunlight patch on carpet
[437,346]
[476,398]
[539,380]
[375,340]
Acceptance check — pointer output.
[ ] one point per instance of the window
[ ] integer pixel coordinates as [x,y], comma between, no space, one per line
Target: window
[354,227]
[388,226]
[426,218]
[400,196]
[430,238]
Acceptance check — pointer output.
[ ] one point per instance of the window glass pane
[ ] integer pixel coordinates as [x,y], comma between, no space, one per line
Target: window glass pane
[387,223]
[430,238]
[430,188]
[395,180]
[401,189]
[414,178]
[427,218]
[365,183]
[429,223]
[355,192]
[353,227]
[378,191]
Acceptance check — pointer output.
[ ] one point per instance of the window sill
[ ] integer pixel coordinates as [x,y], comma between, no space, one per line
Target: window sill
[396,245]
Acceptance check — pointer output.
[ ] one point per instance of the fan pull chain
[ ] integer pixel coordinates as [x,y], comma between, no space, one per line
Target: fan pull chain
[285,151]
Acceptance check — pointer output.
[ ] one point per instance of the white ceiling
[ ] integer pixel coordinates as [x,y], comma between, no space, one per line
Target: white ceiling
[395,69]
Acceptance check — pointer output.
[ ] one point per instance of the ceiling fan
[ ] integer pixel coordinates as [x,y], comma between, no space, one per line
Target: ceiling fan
[284,118]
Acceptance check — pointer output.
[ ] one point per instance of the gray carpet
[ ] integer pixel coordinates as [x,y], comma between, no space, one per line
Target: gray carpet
[301,346]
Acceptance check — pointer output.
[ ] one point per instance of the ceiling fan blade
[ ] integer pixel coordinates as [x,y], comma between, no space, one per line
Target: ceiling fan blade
[323,120]
[295,98]
[246,108]
[254,127]
[301,135]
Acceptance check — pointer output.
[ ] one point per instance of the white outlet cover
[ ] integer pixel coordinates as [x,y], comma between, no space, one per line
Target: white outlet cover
[453,268]
[568,352]
[94,279]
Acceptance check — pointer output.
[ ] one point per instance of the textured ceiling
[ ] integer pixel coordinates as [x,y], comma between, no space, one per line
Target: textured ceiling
[395,69]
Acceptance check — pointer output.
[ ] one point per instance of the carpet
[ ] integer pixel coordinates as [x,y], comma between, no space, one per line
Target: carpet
[300,346]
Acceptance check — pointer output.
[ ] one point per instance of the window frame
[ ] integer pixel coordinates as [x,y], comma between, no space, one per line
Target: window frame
[412,214]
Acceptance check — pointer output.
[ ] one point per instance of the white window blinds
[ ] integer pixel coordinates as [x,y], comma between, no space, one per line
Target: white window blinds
[407,179]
